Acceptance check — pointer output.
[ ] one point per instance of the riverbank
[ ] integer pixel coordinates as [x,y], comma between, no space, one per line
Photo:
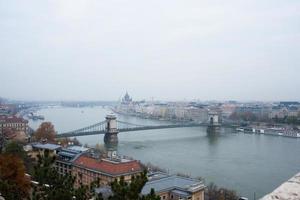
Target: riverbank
[273,131]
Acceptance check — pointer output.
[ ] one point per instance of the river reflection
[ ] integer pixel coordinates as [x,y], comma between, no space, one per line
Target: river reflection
[212,137]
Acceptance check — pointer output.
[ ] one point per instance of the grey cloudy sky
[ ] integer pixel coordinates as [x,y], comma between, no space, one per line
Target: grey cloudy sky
[166,49]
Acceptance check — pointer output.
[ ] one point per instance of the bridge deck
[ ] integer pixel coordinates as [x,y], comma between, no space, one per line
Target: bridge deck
[140,128]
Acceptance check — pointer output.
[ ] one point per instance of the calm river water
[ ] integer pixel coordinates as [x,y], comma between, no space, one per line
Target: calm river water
[244,162]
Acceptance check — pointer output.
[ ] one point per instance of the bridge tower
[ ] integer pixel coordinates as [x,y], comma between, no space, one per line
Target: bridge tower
[213,122]
[111,134]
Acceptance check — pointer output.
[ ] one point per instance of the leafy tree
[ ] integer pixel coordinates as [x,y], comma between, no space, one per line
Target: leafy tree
[131,191]
[13,182]
[99,197]
[44,166]
[215,193]
[52,185]
[15,149]
[151,196]
[45,131]
[2,141]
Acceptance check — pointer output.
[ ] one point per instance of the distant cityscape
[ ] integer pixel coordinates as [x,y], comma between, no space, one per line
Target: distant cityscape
[279,118]
[284,111]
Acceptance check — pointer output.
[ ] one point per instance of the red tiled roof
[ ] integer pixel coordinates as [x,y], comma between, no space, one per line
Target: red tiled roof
[12,119]
[108,167]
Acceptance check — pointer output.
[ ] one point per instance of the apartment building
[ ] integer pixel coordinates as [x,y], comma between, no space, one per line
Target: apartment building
[87,169]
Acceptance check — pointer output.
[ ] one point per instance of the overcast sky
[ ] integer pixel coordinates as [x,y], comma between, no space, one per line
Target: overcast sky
[165,49]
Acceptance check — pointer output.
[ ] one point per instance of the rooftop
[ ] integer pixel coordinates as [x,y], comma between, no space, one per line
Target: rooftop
[68,155]
[173,182]
[12,119]
[156,175]
[45,146]
[78,148]
[108,167]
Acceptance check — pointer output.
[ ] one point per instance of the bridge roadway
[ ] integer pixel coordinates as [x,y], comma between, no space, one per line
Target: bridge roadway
[129,129]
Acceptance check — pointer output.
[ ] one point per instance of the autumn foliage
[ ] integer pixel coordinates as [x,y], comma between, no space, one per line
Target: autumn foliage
[45,131]
[13,182]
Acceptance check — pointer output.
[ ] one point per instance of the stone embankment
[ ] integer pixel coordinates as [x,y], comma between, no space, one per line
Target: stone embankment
[289,190]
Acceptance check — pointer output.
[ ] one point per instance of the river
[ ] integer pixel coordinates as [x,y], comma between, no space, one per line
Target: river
[247,163]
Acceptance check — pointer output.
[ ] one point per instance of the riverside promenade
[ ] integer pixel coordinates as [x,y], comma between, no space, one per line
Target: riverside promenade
[289,190]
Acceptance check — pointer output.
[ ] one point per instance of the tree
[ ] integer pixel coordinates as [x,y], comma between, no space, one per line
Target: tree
[215,193]
[2,141]
[15,149]
[131,191]
[52,185]
[13,182]
[43,168]
[45,131]
[151,196]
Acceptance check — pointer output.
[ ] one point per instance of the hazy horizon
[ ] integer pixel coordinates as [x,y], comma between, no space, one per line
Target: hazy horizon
[166,50]
[148,100]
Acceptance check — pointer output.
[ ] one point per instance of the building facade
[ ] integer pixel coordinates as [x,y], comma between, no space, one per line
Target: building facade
[87,169]
[13,123]
[37,148]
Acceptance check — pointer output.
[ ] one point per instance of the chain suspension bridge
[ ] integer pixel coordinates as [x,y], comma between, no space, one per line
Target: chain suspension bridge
[112,126]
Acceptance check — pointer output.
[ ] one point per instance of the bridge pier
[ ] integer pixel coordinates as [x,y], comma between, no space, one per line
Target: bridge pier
[213,125]
[111,134]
